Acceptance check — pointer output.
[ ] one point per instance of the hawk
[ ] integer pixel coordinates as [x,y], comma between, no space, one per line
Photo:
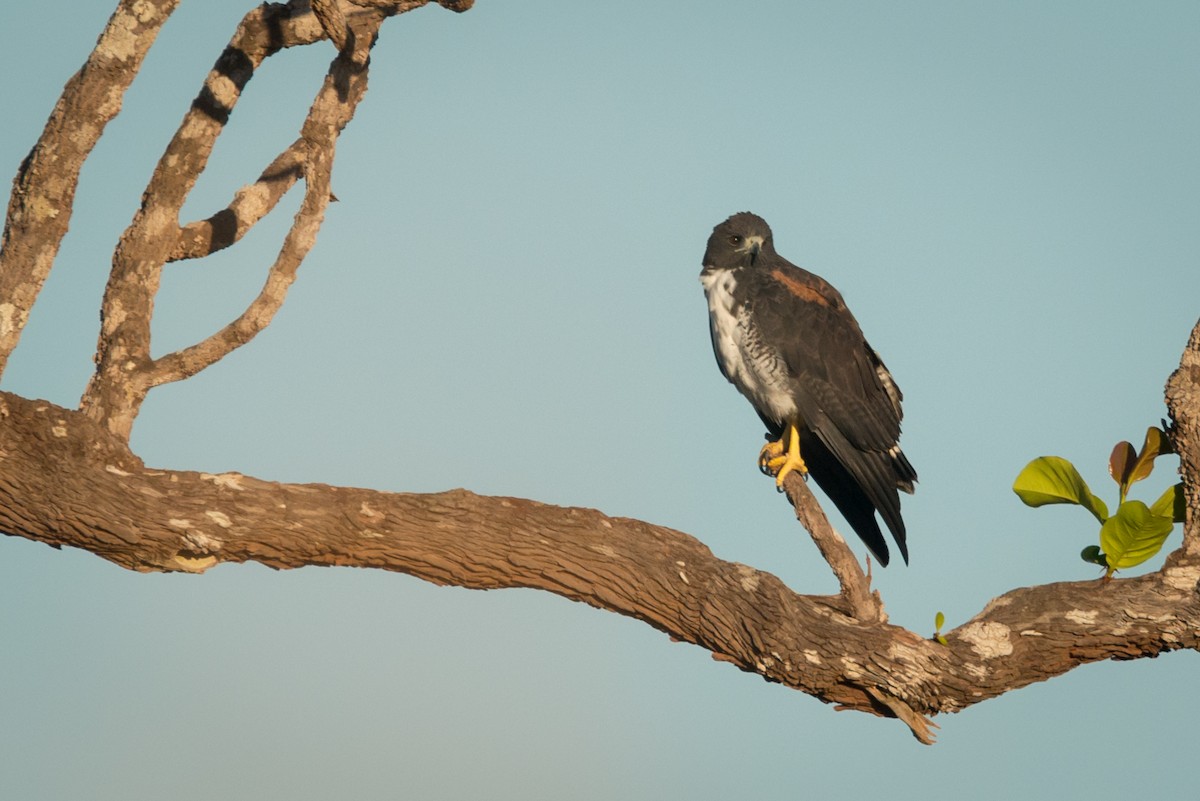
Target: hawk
[784,337]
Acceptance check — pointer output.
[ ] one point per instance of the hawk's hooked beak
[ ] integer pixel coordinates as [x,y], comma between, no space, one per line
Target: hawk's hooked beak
[755,243]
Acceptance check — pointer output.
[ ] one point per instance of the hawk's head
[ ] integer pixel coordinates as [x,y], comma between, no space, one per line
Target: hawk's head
[738,242]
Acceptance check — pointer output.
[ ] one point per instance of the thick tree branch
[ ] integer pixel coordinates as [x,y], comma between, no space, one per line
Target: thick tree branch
[65,480]
[1183,404]
[39,209]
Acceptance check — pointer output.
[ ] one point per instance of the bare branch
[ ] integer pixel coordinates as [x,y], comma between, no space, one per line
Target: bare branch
[120,383]
[258,315]
[249,205]
[253,202]
[105,501]
[861,602]
[332,110]
[125,370]
[43,196]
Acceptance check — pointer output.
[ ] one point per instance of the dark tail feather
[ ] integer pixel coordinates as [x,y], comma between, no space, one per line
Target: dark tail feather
[847,494]
[906,476]
[881,490]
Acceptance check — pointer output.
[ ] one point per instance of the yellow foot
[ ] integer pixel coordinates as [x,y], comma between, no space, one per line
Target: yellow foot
[774,460]
[769,453]
[786,465]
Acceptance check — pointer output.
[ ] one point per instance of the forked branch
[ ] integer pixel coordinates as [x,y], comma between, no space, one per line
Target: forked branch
[250,204]
[331,112]
[125,367]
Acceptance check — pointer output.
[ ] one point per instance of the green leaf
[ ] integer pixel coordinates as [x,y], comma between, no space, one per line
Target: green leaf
[1171,504]
[1093,555]
[1052,479]
[1133,535]
[939,620]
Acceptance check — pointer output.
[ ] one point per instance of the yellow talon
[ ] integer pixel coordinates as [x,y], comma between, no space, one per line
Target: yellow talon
[774,460]
[769,453]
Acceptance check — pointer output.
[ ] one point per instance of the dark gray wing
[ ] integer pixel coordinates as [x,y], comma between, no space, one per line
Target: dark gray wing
[845,396]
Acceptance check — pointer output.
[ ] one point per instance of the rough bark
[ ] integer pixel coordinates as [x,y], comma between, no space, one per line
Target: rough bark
[39,209]
[67,476]
[65,480]
[1183,403]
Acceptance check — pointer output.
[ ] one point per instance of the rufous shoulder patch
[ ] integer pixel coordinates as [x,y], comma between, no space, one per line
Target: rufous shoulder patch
[800,289]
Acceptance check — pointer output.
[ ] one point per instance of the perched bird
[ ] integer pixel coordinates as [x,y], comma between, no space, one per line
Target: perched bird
[784,337]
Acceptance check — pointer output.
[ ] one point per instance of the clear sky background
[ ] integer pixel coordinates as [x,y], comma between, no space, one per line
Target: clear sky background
[506,299]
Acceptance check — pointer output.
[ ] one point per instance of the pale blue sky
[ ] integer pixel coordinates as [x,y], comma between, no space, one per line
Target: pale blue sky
[506,299]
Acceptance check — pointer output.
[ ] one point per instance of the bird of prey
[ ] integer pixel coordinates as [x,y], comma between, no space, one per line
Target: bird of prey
[784,337]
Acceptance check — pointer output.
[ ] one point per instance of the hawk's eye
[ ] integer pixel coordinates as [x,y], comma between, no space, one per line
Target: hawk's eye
[735,240]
